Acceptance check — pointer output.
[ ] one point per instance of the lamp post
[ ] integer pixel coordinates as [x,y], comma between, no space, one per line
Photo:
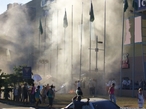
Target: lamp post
[44,62]
[96,50]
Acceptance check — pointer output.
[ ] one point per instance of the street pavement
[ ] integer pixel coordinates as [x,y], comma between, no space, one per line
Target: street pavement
[7,106]
[15,105]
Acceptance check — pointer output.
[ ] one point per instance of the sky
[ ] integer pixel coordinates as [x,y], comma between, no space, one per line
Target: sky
[3,4]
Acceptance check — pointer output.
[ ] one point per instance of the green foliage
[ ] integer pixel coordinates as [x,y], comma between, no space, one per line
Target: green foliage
[19,75]
[10,80]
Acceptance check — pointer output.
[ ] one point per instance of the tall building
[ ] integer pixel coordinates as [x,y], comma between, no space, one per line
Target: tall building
[134,52]
[20,34]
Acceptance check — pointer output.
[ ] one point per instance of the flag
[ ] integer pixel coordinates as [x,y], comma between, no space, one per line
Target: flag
[82,19]
[125,5]
[41,28]
[65,23]
[138,29]
[82,14]
[135,5]
[91,13]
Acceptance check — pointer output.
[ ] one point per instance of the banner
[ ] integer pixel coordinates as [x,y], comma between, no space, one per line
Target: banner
[129,30]
[26,72]
[125,61]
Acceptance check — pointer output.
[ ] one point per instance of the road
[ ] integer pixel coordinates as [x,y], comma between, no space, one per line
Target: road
[6,106]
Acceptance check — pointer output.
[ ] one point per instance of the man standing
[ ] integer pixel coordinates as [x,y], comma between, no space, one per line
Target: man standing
[111,92]
[78,83]
[51,96]
[33,94]
[77,102]
[37,97]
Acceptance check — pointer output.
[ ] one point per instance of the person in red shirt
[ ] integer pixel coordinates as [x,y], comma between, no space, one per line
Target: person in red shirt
[111,92]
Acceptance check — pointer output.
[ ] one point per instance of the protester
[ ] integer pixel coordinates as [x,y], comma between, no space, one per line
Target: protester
[19,93]
[48,87]
[140,98]
[78,84]
[33,94]
[79,92]
[92,85]
[111,92]
[51,95]
[15,92]
[44,93]
[37,97]
[77,102]
[25,93]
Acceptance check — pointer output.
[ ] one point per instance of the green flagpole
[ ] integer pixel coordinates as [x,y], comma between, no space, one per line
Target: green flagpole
[91,13]
[65,24]
[72,47]
[125,6]
[40,33]
[133,41]
[81,43]
[104,75]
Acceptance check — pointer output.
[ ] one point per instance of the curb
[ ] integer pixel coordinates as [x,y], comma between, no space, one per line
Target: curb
[19,104]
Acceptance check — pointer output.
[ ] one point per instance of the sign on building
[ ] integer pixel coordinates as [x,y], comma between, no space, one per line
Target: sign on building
[141,5]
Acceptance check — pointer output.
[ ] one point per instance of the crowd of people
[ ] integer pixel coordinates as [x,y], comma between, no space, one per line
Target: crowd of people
[128,84]
[34,94]
[39,94]
[91,85]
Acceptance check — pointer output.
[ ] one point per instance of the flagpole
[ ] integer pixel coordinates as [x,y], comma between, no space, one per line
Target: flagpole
[57,45]
[51,50]
[91,20]
[64,51]
[40,27]
[64,48]
[133,68]
[90,46]
[72,47]
[96,50]
[65,24]
[81,44]
[90,51]
[104,41]
[39,42]
[45,34]
[122,49]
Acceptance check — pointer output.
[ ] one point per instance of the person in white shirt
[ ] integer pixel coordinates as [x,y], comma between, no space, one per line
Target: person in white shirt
[140,98]
[113,81]
[78,83]
[124,84]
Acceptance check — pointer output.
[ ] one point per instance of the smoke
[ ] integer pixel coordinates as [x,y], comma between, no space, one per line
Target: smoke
[59,63]
[113,33]
[17,32]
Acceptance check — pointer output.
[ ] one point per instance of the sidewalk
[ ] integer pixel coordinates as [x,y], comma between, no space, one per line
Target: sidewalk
[61,100]
[22,104]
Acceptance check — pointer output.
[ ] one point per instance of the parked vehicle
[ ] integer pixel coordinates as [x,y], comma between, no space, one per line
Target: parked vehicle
[96,103]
